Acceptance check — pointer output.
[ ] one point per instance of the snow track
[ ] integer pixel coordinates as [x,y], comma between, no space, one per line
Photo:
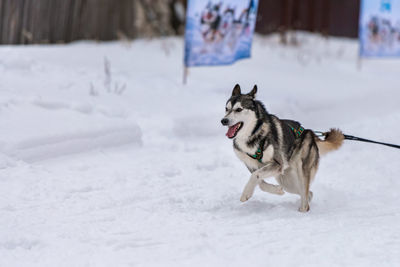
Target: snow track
[49,129]
[48,147]
[91,176]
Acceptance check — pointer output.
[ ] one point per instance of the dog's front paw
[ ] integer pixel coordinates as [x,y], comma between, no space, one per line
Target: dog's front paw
[249,189]
[279,190]
[304,208]
[246,195]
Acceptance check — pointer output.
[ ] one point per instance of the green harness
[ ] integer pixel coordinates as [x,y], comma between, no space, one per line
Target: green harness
[297,132]
[259,153]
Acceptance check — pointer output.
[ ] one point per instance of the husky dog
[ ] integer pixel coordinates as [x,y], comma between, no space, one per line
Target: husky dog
[210,22]
[271,147]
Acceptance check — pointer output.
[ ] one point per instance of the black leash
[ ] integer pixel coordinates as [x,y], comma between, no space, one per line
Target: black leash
[355,138]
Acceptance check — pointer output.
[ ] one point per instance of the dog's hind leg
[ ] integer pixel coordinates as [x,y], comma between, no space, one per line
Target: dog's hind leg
[269,170]
[306,171]
[310,196]
[304,192]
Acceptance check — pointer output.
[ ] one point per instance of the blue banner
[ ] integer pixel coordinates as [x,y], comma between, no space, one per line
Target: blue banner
[379,28]
[219,32]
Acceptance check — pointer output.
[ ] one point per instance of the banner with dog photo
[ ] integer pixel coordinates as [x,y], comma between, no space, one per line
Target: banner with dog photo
[219,32]
[379,29]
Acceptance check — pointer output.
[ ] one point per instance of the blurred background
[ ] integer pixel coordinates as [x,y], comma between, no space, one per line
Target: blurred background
[63,21]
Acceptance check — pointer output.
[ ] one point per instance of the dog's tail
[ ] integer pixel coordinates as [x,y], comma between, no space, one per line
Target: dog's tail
[333,141]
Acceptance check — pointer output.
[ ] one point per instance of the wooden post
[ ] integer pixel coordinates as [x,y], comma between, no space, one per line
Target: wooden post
[359,59]
[185,74]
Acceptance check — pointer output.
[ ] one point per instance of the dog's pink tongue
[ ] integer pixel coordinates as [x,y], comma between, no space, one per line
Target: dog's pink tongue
[231,131]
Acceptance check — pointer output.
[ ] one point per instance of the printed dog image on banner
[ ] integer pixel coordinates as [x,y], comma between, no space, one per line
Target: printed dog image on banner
[219,32]
[379,30]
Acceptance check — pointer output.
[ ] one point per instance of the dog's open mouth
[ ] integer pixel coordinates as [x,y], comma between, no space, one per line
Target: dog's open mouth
[234,129]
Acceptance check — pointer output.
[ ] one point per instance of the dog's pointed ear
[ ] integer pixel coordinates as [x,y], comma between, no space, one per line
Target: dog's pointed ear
[236,90]
[253,92]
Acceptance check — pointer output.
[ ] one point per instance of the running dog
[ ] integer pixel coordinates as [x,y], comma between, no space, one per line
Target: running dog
[271,147]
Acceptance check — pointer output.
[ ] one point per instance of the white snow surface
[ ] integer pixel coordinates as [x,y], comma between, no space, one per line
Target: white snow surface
[134,169]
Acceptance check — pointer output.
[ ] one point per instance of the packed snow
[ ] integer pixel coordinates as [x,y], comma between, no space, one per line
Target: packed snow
[107,159]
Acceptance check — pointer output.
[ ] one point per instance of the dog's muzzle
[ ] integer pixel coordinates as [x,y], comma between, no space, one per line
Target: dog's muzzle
[225,121]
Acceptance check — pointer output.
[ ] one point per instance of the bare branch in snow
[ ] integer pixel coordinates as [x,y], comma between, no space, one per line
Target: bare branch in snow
[107,72]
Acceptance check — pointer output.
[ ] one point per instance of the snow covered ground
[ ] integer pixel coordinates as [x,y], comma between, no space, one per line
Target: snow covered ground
[134,169]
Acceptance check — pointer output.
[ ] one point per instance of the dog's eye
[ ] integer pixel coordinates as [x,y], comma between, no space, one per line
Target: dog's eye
[238,109]
[226,109]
